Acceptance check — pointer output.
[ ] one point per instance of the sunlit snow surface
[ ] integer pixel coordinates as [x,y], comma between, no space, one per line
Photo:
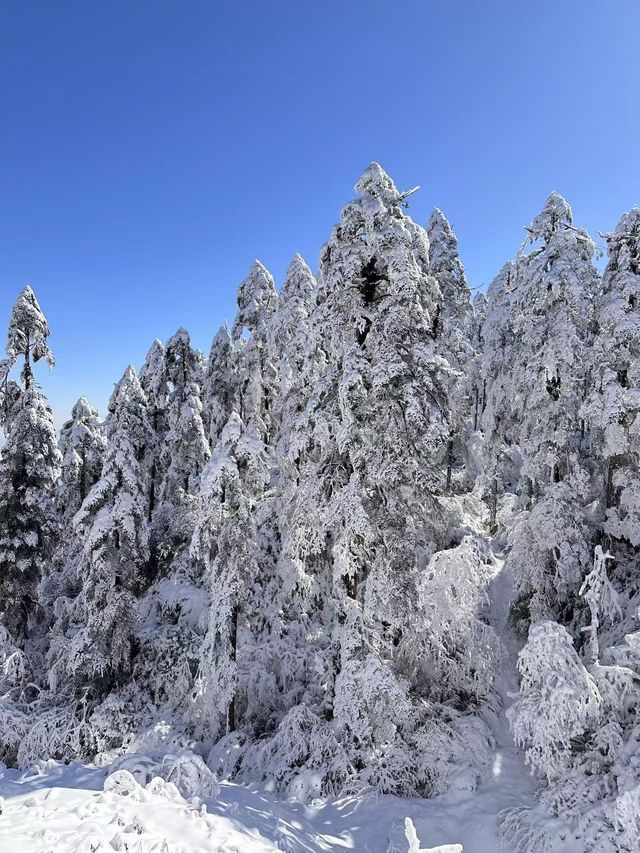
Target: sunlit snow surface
[56,808]
[66,810]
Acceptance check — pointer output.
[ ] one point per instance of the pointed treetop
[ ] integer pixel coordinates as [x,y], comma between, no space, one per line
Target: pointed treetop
[83,410]
[374,180]
[154,353]
[444,243]
[299,279]
[221,343]
[180,336]
[375,183]
[555,215]
[629,223]
[153,374]
[128,387]
[624,243]
[28,332]
[445,263]
[256,299]
[438,221]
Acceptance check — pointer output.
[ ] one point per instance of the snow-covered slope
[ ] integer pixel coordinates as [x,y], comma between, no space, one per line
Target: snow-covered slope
[56,808]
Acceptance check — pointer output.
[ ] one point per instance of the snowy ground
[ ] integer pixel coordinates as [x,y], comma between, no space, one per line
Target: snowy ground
[77,808]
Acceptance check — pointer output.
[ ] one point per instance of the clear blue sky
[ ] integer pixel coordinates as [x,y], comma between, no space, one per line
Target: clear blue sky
[151,149]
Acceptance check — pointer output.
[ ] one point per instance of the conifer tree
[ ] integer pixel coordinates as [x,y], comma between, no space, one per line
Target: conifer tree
[220,388]
[113,524]
[234,534]
[551,317]
[82,446]
[363,519]
[186,448]
[613,408]
[295,303]
[225,542]
[455,327]
[29,468]
[253,332]
[500,447]
[154,383]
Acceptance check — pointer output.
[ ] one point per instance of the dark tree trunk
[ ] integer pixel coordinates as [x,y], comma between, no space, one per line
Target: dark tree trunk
[231,714]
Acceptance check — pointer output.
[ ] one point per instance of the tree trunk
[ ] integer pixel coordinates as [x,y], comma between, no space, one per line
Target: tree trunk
[231,713]
[493,504]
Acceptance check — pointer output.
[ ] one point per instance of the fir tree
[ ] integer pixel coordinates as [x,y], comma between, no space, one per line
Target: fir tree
[154,383]
[551,319]
[220,388]
[82,446]
[613,408]
[113,523]
[29,468]
[455,329]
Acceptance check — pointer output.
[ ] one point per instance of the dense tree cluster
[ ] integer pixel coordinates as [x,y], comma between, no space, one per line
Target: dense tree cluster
[280,556]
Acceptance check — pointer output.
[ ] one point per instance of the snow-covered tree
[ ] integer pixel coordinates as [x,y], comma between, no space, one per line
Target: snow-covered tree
[82,446]
[220,388]
[154,383]
[551,316]
[613,408]
[186,447]
[292,330]
[113,523]
[253,332]
[28,333]
[233,537]
[29,468]
[455,328]
[363,517]
[225,542]
[558,701]
[601,598]
[501,469]
[550,550]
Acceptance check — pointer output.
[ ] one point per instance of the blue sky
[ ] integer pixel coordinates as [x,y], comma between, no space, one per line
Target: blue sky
[151,149]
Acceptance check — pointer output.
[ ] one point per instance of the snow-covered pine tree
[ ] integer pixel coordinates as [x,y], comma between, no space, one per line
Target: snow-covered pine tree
[551,317]
[292,331]
[613,409]
[501,468]
[185,449]
[480,302]
[253,332]
[220,388]
[558,702]
[29,468]
[235,516]
[537,333]
[114,526]
[364,518]
[82,445]
[225,543]
[170,633]
[28,334]
[154,383]
[455,325]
